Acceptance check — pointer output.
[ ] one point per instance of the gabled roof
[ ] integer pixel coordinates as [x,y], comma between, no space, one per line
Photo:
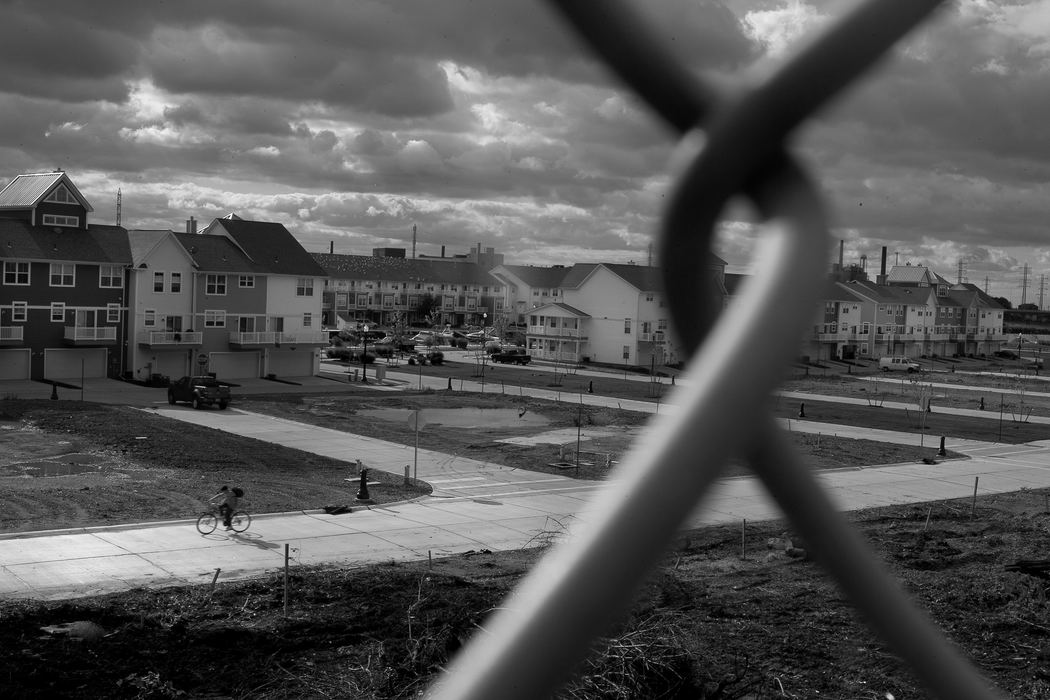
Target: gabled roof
[269,245]
[539,277]
[562,306]
[643,277]
[910,274]
[95,244]
[217,254]
[976,293]
[144,241]
[27,191]
[368,267]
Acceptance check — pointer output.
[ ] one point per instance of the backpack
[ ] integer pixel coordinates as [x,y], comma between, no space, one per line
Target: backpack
[238,492]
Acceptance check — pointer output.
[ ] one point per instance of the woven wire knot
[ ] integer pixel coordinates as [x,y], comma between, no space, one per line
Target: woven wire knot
[570,597]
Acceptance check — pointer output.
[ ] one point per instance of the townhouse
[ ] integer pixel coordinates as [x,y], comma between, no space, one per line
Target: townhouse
[80,300]
[910,311]
[63,293]
[239,299]
[387,289]
[598,312]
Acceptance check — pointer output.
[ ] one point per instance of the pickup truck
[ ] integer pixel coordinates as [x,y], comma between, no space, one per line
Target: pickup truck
[199,391]
[515,356]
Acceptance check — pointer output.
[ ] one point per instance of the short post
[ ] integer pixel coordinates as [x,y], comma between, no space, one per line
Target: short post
[802,410]
[982,403]
[590,387]
[362,491]
[973,505]
[942,452]
[743,537]
[450,383]
[286,579]
[215,578]
[54,391]
[672,380]
[406,474]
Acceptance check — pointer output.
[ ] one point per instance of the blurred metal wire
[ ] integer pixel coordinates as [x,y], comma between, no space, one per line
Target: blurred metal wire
[734,145]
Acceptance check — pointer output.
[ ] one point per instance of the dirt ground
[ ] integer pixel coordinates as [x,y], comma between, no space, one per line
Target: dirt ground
[726,616]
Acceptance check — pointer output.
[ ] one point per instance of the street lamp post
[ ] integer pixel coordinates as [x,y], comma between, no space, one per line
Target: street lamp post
[364,350]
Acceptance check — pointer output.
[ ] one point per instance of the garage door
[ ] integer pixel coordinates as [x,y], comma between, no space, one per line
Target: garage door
[234,365]
[72,364]
[14,364]
[172,364]
[291,363]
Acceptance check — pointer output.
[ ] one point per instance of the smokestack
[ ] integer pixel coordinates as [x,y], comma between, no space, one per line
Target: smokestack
[191,225]
[413,240]
[841,244]
[331,246]
[881,279]
[442,251]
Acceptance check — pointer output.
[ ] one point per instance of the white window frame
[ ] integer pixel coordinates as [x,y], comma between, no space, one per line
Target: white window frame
[215,285]
[19,311]
[64,270]
[214,318]
[59,220]
[149,318]
[304,287]
[246,281]
[61,195]
[14,270]
[58,312]
[112,313]
[308,320]
[175,283]
[158,282]
[110,277]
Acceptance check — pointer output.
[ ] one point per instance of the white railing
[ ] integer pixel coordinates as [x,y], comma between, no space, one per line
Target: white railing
[169,337]
[91,333]
[554,331]
[9,333]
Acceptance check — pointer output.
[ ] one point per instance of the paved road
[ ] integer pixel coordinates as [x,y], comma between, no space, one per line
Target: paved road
[476,506]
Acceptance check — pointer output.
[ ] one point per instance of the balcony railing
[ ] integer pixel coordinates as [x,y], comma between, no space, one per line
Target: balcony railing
[174,338]
[91,334]
[10,334]
[555,355]
[279,338]
[555,331]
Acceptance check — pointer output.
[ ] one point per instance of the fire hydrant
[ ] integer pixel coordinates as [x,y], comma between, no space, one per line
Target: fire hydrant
[362,492]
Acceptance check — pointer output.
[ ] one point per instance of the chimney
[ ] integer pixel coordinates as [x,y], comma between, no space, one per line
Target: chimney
[331,247]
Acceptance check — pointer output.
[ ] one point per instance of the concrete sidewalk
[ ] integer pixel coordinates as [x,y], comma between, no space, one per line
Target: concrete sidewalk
[476,506]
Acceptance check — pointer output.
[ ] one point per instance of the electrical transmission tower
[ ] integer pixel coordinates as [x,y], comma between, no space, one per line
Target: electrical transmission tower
[1024,284]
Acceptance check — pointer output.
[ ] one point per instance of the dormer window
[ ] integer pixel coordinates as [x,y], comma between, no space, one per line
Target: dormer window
[61,195]
[53,220]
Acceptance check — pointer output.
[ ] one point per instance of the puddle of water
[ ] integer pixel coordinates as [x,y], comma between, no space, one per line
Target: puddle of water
[463,417]
[66,465]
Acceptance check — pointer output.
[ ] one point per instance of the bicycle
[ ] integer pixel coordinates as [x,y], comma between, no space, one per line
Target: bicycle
[210,519]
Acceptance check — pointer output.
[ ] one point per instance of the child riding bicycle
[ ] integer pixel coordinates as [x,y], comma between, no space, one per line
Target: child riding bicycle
[227,499]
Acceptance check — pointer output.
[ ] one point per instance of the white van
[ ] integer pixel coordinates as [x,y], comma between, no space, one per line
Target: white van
[898,364]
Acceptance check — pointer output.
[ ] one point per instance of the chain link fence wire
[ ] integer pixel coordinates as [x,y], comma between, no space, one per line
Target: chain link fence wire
[733,145]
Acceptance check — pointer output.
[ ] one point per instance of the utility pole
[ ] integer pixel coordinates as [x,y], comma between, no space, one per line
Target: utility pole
[118,206]
[1042,289]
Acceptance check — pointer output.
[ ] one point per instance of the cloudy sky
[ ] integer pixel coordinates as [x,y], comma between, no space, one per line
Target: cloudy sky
[483,121]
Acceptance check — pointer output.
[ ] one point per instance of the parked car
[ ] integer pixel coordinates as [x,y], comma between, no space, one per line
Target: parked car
[898,364]
[516,356]
[434,357]
[1005,354]
[199,391]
